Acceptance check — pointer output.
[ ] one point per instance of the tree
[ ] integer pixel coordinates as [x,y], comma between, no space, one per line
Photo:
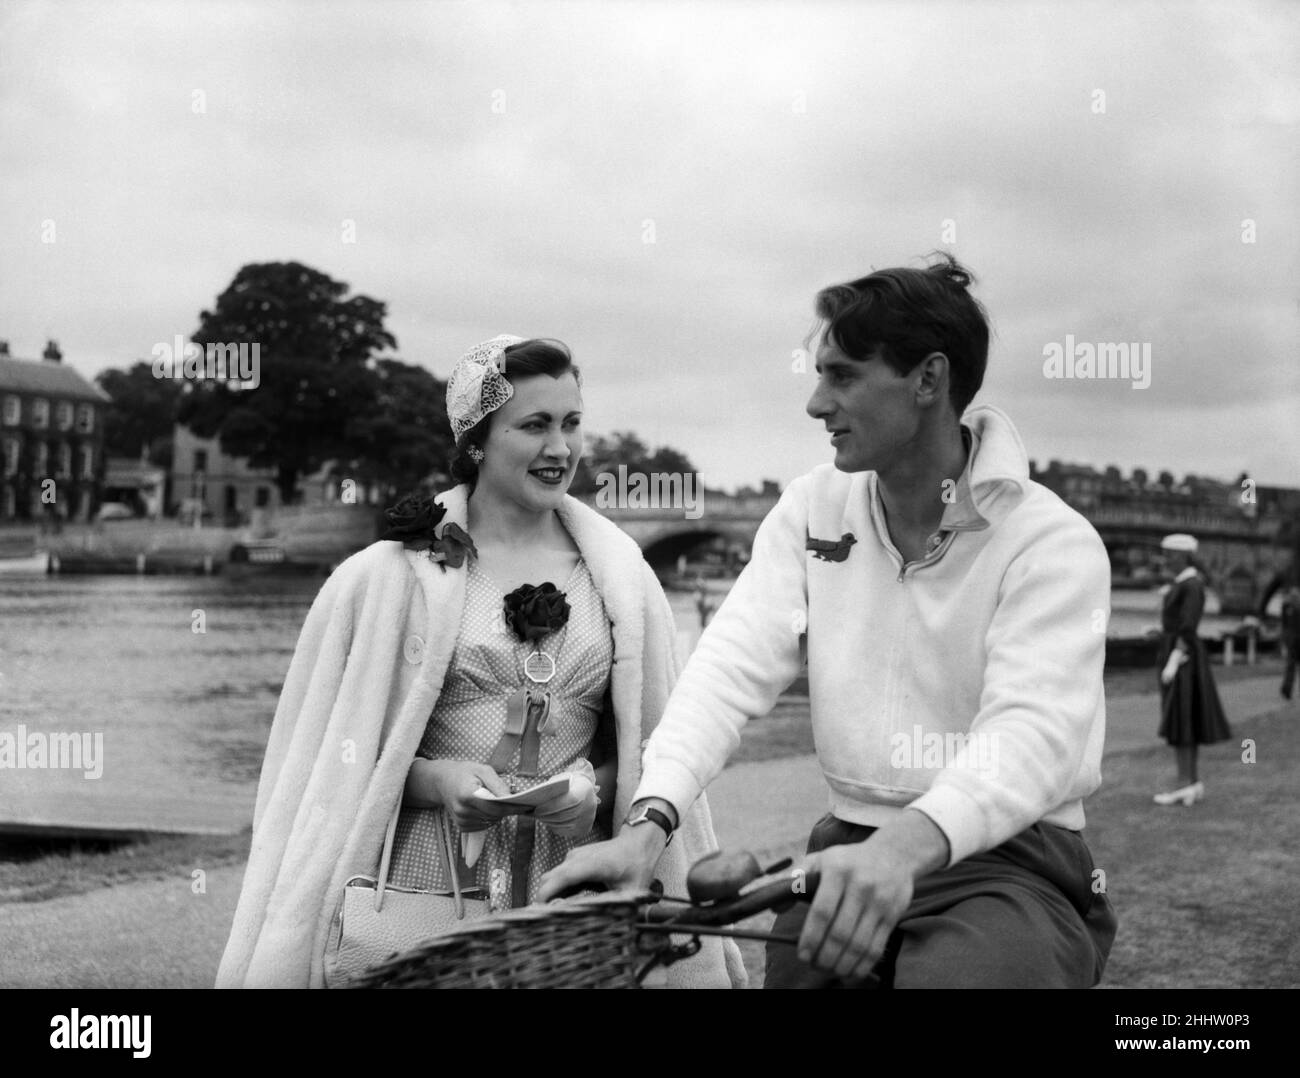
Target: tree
[142,413]
[403,438]
[313,380]
[605,454]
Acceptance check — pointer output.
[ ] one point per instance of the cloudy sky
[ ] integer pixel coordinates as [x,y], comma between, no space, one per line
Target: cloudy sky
[666,186]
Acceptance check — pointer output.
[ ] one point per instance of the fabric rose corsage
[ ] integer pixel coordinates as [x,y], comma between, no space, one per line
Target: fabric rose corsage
[414,521]
[536,610]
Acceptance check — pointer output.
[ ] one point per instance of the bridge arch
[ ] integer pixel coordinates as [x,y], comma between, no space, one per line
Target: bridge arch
[663,547]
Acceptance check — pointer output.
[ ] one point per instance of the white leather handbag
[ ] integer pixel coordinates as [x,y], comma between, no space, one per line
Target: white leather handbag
[375,920]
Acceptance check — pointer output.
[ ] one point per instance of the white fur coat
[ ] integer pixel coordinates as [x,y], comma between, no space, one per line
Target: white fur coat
[365,676]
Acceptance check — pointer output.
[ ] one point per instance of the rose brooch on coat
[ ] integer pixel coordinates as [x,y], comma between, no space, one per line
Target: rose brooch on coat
[414,521]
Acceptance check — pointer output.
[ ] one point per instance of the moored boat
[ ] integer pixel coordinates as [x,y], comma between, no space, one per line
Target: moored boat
[36,563]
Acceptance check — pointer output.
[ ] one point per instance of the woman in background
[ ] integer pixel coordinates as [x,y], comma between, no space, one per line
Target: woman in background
[1190,712]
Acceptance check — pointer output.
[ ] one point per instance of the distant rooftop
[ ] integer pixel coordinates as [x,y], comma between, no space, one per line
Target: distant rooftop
[50,378]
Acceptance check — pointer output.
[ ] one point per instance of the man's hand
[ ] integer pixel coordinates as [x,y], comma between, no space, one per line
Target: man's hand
[624,862]
[865,889]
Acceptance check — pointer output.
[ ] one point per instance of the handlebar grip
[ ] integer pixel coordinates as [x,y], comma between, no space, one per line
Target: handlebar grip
[794,885]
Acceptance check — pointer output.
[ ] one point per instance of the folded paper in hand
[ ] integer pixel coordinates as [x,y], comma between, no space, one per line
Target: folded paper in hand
[471,844]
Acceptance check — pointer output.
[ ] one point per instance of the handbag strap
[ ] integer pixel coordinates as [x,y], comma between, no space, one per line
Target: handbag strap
[446,848]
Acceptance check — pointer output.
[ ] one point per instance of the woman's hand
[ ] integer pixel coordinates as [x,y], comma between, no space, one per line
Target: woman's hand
[572,813]
[451,784]
[1176,659]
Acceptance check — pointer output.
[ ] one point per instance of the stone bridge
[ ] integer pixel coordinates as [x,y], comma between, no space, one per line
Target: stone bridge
[666,534]
[1240,553]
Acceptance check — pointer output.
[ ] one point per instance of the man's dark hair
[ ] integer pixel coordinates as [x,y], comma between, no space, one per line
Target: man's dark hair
[909,313]
[527,359]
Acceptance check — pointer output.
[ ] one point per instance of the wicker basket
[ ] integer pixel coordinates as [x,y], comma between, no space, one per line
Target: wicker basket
[583,943]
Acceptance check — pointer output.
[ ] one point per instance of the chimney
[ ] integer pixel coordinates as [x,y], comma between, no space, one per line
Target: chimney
[52,353]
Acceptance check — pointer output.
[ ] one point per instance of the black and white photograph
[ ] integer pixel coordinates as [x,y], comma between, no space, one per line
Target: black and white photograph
[650,495]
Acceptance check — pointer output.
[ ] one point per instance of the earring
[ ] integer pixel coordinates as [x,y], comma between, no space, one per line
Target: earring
[475,454]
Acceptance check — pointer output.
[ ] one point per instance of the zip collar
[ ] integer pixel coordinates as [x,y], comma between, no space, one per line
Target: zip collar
[960,514]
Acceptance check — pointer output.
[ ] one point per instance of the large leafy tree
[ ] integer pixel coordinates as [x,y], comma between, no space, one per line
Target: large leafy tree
[606,453]
[314,344]
[403,438]
[142,412]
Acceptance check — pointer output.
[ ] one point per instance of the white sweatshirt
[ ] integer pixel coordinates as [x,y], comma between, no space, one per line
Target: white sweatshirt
[967,685]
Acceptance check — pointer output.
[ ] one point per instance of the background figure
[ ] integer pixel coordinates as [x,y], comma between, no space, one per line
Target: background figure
[1190,711]
[1288,582]
[703,604]
[1291,637]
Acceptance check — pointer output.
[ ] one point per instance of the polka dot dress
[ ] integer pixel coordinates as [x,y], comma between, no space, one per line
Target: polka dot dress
[487,668]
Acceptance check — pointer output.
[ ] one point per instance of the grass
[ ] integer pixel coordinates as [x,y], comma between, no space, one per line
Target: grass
[1206,895]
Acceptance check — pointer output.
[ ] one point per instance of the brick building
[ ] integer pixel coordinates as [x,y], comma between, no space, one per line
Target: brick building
[51,428]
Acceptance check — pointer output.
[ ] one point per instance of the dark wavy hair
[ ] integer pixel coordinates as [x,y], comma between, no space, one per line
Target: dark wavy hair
[527,359]
[906,314]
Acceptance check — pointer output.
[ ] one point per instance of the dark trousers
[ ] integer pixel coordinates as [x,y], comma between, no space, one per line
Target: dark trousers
[1027,914]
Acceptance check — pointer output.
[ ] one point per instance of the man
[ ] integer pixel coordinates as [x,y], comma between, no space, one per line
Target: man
[954,614]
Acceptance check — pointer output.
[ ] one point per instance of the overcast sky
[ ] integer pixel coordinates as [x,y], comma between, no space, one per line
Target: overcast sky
[507,167]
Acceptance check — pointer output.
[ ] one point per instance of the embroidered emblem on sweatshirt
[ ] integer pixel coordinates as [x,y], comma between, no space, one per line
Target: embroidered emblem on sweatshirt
[829,549]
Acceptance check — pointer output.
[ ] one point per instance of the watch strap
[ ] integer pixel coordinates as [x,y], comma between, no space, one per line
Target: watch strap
[654,815]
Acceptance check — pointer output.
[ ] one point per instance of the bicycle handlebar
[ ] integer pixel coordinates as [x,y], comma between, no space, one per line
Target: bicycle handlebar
[793,885]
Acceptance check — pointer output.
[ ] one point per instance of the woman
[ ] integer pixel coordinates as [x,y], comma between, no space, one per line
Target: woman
[408,685]
[1191,714]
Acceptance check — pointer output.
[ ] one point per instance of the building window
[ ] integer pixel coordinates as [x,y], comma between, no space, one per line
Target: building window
[40,413]
[42,459]
[13,412]
[87,462]
[11,457]
[200,460]
[65,460]
[63,415]
[85,418]
[263,497]
[10,503]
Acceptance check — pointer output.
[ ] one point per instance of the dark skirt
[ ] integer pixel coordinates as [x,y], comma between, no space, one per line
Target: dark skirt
[1190,711]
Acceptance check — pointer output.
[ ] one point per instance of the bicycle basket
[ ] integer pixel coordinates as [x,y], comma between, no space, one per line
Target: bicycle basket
[582,943]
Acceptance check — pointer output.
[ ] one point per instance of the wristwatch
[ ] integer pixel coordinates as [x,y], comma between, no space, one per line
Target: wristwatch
[646,814]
